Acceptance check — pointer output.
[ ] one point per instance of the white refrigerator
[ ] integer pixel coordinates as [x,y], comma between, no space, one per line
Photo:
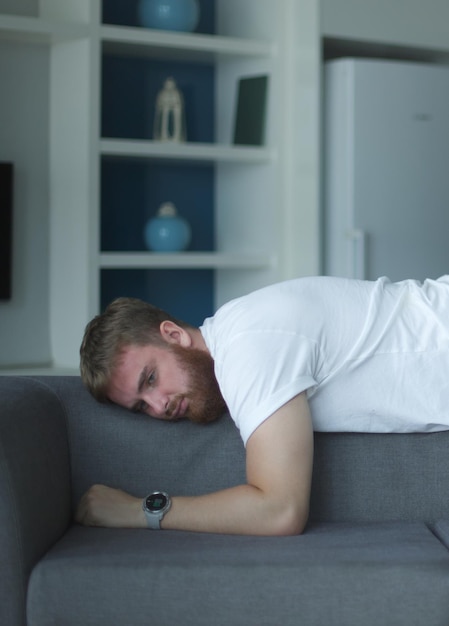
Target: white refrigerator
[386,169]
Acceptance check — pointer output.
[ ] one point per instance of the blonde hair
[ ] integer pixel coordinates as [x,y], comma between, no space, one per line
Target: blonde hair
[125,322]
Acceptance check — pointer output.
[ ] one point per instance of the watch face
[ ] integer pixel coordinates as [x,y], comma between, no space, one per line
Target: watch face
[156,502]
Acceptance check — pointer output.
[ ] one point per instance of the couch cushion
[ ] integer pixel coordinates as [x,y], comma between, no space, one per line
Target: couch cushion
[335,574]
[441,530]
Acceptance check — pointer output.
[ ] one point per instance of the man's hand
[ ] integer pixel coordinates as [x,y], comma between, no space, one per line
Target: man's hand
[113,508]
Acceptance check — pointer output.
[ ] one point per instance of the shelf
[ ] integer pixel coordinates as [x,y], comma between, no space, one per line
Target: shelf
[147,149]
[183,260]
[145,42]
[35,30]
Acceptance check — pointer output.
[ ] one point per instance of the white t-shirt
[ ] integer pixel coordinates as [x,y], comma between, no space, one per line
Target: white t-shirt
[373,356]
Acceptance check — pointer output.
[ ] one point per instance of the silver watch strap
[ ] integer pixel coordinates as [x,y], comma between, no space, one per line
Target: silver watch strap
[153,521]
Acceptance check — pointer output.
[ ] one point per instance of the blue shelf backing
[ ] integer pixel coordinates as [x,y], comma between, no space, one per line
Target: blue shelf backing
[186,294]
[129,91]
[132,191]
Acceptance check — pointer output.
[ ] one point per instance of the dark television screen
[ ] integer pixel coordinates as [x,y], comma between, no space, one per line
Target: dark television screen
[6,176]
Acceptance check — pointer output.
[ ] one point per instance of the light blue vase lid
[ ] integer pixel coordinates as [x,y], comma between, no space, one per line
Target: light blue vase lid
[167,209]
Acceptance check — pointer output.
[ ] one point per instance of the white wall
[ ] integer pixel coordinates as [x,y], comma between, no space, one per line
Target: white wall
[24,326]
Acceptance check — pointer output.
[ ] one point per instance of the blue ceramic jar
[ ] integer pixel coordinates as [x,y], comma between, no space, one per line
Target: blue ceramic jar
[167,231]
[178,15]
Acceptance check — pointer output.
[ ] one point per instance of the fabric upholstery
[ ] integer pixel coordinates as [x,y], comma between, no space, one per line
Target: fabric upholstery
[34,486]
[343,575]
[113,446]
[376,550]
[372,477]
[357,477]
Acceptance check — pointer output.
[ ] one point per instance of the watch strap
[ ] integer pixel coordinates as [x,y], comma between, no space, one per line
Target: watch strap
[153,521]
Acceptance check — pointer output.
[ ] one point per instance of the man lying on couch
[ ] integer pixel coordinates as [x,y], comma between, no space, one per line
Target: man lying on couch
[324,354]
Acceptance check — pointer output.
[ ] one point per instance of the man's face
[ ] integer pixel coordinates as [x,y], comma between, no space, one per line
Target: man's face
[169,382]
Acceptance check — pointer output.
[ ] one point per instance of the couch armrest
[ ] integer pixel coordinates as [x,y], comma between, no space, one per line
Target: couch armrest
[35,507]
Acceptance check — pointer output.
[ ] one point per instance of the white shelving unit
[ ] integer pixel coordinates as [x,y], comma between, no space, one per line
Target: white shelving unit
[257,190]
[175,46]
[183,260]
[228,54]
[211,153]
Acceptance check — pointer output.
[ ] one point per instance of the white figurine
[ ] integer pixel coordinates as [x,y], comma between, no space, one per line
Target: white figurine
[169,122]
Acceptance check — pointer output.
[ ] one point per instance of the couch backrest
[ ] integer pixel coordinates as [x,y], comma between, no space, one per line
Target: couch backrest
[357,477]
[379,477]
[113,446]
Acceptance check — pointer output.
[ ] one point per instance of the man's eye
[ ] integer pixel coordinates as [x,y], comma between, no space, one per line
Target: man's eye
[151,379]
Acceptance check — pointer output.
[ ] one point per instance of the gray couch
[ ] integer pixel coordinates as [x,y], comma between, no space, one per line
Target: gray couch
[376,551]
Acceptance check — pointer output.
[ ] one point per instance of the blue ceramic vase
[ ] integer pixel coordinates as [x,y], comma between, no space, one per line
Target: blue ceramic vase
[167,231]
[179,15]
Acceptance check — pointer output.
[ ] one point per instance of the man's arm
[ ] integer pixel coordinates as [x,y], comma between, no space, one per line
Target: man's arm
[275,500]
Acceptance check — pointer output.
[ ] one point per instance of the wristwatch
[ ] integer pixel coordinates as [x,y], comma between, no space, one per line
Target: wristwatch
[155,506]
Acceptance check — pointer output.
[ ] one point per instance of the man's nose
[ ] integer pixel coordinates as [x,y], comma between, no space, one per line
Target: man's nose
[157,403]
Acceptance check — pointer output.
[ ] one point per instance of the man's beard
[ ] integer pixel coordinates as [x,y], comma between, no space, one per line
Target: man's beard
[206,403]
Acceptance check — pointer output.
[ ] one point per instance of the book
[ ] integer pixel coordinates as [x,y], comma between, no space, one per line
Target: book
[249,126]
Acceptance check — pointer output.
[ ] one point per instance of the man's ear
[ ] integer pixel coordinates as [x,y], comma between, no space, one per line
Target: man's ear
[172,333]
